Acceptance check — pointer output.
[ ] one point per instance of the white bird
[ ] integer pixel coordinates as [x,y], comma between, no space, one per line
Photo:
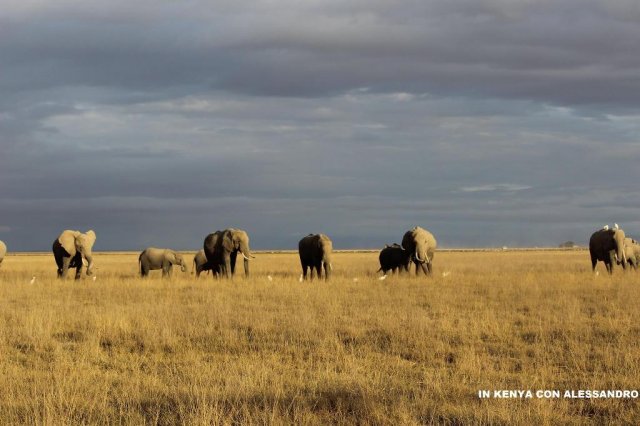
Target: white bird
[446,274]
[606,227]
[300,279]
[94,277]
[615,225]
[382,278]
[269,278]
[355,280]
[597,273]
[33,280]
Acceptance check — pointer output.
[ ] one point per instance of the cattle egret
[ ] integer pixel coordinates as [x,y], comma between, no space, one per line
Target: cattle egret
[94,277]
[606,227]
[269,278]
[33,280]
[355,280]
[615,225]
[300,279]
[382,278]
[446,274]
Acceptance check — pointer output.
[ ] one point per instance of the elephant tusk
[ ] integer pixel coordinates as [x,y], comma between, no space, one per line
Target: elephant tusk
[418,257]
[245,256]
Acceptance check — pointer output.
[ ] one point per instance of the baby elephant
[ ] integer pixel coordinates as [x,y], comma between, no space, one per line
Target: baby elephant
[157,258]
[393,258]
[200,263]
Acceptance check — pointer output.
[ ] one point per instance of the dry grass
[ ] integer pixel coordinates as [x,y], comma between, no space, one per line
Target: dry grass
[400,351]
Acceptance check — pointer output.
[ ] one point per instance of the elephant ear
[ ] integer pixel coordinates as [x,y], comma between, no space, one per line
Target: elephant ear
[89,239]
[227,241]
[68,241]
[170,255]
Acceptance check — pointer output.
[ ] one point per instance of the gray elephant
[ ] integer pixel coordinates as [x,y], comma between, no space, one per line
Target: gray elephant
[3,251]
[420,245]
[221,249]
[315,253]
[71,248]
[200,263]
[393,258]
[607,245]
[159,258]
[632,252]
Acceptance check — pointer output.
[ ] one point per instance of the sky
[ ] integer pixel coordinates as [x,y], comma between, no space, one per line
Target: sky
[488,122]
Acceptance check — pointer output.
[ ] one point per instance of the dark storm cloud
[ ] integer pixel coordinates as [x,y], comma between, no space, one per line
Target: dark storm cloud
[491,122]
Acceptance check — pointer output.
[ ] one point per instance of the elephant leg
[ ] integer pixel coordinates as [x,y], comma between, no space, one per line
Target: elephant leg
[78,271]
[246,267]
[305,269]
[166,269]
[227,266]
[312,270]
[609,266]
[62,272]
[429,267]
[77,262]
[594,261]
[327,270]
[424,268]
[233,256]
[319,270]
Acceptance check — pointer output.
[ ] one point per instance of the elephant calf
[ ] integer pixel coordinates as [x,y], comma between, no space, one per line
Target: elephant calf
[156,258]
[200,263]
[393,258]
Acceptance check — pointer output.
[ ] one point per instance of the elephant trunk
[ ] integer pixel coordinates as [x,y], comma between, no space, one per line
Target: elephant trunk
[89,258]
[327,268]
[619,237]
[246,252]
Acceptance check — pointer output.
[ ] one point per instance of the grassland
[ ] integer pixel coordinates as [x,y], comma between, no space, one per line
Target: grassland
[404,350]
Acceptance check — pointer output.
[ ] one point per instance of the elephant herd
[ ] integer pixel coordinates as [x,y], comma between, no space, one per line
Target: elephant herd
[612,246]
[73,249]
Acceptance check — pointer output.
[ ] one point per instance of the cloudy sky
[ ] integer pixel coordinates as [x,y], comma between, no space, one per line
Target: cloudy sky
[489,122]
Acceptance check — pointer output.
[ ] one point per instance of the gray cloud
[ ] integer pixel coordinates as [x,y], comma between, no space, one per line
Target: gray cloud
[490,122]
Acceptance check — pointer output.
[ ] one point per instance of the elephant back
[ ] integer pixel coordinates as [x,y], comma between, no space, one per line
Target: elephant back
[418,234]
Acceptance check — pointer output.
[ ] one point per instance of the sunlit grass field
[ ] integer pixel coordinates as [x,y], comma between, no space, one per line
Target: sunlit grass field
[405,350]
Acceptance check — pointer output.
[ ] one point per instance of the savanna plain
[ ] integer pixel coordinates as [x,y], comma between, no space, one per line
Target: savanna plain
[268,349]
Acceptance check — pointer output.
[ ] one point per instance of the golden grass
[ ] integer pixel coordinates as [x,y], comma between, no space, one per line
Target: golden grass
[401,351]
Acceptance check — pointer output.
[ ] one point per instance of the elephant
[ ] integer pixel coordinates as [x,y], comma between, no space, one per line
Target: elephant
[71,248]
[393,258]
[315,253]
[421,245]
[632,252]
[3,251]
[607,245]
[200,263]
[158,258]
[221,249]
